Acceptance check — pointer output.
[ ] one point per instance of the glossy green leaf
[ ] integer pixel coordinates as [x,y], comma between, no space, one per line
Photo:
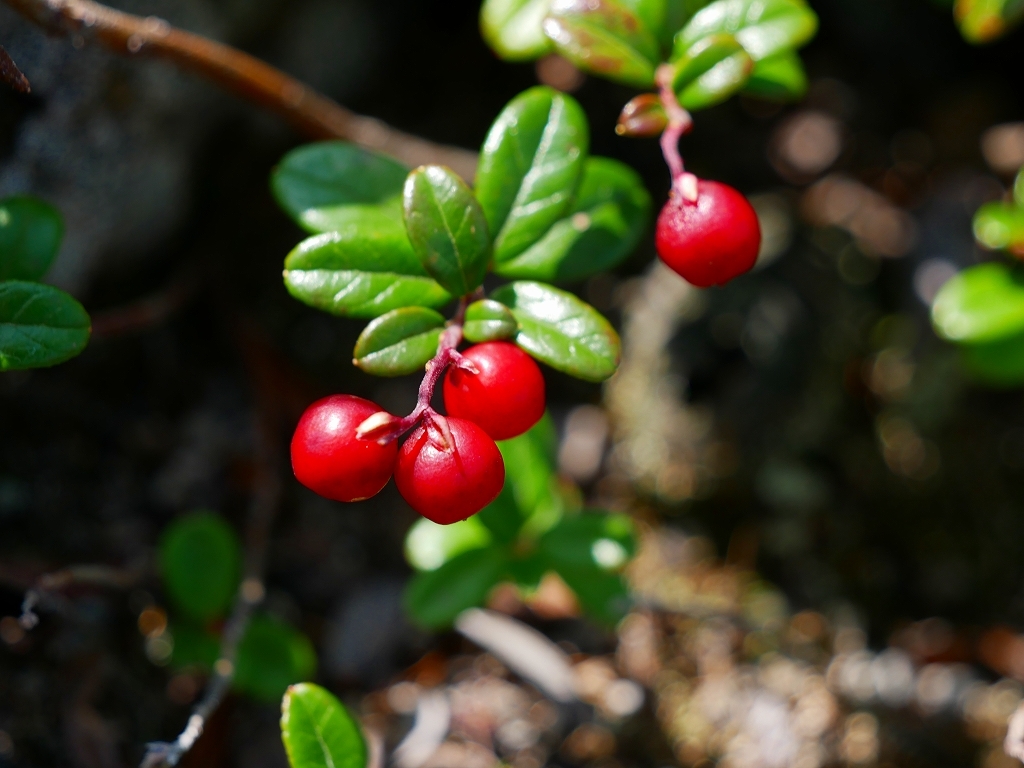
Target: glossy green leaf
[530,165]
[651,14]
[981,304]
[39,326]
[318,732]
[602,595]
[447,228]
[982,21]
[996,363]
[488,320]
[763,27]
[1000,225]
[712,70]
[643,116]
[606,221]
[434,598]
[362,271]
[780,77]
[399,343]
[272,656]
[604,37]
[321,184]
[677,13]
[513,28]
[30,236]
[502,516]
[200,559]
[559,329]
[592,540]
[428,545]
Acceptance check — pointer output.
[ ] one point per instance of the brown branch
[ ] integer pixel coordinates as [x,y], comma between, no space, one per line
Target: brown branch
[49,585]
[310,112]
[10,74]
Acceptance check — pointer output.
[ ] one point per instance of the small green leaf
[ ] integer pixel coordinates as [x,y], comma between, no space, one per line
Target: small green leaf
[272,656]
[447,228]
[604,37]
[530,473]
[602,595]
[710,72]
[399,343]
[200,559]
[502,516]
[317,184]
[530,165]
[780,78]
[996,363]
[559,329]
[39,326]
[30,236]
[981,304]
[434,598]
[362,271]
[982,21]
[592,540]
[428,545]
[488,320]
[528,570]
[1018,189]
[513,28]
[605,223]
[643,116]
[318,732]
[1000,225]
[763,27]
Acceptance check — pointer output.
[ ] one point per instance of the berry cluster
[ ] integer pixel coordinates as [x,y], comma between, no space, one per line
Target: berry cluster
[346,448]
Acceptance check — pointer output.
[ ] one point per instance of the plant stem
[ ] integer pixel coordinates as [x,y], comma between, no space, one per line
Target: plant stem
[50,583]
[679,122]
[312,113]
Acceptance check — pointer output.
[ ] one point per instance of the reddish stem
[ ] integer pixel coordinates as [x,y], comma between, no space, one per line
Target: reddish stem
[679,123]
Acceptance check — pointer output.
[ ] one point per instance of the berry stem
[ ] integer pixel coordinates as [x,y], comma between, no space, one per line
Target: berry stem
[679,123]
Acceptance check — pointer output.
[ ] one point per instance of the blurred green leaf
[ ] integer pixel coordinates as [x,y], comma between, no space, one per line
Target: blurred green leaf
[362,271]
[643,116]
[996,363]
[1018,188]
[528,570]
[434,598]
[763,27]
[530,166]
[429,545]
[530,474]
[559,329]
[488,320]
[651,14]
[200,559]
[980,304]
[321,185]
[677,13]
[272,656]
[982,21]
[780,77]
[39,326]
[318,732]
[502,516]
[602,595]
[193,646]
[399,342]
[607,219]
[447,228]
[513,28]
[712,70]
[604,37]
[30,236]
[592,540]
[1000,225]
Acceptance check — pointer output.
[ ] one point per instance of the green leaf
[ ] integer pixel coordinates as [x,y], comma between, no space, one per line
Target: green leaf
[193,646]
[428,545]
[272,656]
[530,165]
[712,70]
[39,326]
[604,37]
[780,77]
[561,330]
[996,363]
[605,223]
[981,304]
[200,559]
[592,540]
[399,343]
[677,13]
[362,271]
[319,184]
[1018,189]
[602,595]
[513,28]
[763,27]
[434,598]
[502,516]
[447,228]
[530,473]
[1000,225]
[488,320]
[318,732]
[30,236]
[528,570]
[982,21]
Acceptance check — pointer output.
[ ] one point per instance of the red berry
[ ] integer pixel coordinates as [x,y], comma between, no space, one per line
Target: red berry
[711,240]
[448,477]
[328,458]
[505,399]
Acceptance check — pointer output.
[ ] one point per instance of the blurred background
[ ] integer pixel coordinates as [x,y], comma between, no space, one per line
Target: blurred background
[832,569]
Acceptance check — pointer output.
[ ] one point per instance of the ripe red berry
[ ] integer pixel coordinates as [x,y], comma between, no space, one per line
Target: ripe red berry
[449,469]
[505,398]
[328,458]
[711,240]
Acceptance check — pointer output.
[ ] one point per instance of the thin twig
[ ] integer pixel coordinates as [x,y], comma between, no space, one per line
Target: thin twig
[10,74]
[312,113]
[49,585]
